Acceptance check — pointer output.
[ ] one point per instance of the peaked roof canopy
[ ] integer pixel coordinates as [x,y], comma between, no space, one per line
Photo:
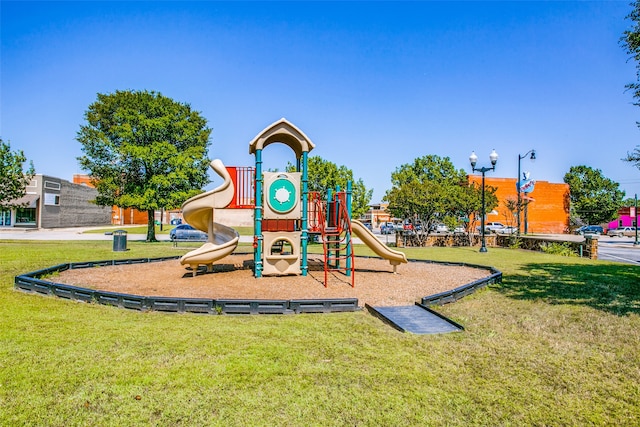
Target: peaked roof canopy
[284,132]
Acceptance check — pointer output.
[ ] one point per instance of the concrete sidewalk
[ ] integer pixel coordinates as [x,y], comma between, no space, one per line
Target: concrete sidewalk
[78,233]
[74,233]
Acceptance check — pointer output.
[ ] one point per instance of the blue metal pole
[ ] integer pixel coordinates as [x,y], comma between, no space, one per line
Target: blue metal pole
[258,238]
[304,225]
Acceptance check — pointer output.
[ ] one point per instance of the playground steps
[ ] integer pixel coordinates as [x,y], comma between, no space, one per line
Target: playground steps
[338,253]
[332,221]
[417,319]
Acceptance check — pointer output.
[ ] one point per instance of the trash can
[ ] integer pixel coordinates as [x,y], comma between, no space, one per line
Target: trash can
[119,241]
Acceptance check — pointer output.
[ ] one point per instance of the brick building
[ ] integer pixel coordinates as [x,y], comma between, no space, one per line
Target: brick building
[547,210]
[119,216]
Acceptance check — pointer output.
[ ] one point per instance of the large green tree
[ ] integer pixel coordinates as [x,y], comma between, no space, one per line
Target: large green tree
[594,198]
[432,190]
[631,42]
[633,157]
[144,151]
[324,175]
[13,178]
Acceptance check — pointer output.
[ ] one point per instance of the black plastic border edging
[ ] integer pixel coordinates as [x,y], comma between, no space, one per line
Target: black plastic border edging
[31,282]
[461,291]
[464,290]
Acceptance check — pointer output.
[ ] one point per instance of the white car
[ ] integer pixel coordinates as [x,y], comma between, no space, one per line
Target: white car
[507,230]
[440,228]
[622,231]
[459,230]
[492,227]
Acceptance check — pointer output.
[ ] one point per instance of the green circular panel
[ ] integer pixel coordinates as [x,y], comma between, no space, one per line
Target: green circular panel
[282,195]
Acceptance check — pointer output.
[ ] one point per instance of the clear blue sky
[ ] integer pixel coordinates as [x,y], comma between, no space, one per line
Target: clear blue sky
[373,84]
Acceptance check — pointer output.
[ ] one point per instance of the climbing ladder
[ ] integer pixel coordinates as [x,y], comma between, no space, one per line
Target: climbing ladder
[331,220]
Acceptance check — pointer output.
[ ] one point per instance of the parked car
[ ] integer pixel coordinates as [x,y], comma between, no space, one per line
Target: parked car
[406,227]
[622,231]
[387,228]
[492,227]
[187,232]
[439,228]
[176,221]
[590,230]
[368,225]
[459,230]
[507,230]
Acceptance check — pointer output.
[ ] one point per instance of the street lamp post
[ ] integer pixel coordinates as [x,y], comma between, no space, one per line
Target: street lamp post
[473,159]
[533,157]
[635,221]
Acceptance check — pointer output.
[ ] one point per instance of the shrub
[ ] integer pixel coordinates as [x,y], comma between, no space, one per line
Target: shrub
[563,249]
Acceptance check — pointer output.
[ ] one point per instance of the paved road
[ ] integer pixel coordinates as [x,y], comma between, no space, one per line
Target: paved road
[620,249]
[66,234]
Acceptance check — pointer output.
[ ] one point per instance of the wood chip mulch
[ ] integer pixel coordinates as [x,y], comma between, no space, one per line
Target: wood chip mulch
[232,278]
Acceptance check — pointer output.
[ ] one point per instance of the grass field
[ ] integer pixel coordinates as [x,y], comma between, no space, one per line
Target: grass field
[557,343]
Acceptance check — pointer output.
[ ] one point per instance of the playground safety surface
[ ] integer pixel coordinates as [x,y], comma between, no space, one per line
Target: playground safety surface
[417,319]
[232,278]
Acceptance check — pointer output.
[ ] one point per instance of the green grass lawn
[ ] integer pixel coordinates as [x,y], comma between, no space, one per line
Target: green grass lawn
[557,343]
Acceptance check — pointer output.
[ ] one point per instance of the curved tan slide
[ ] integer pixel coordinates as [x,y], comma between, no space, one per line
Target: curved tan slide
[198,212]
[382,250]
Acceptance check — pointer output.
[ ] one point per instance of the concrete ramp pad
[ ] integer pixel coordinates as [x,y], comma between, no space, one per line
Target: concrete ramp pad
[417,319]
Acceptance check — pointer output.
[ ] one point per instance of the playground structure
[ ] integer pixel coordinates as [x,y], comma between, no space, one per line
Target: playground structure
[286,215]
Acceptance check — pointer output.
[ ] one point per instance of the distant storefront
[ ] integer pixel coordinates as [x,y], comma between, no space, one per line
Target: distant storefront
[377,214]
[54,203]
[545,210]
[627,217]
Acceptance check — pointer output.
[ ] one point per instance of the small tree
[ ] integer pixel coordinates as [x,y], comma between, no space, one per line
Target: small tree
[468,202]
[144,151]
[13,178]
[423,203]
[324,175]
[512,209]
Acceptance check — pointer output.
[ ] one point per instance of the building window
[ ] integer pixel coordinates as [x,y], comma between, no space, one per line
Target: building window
[25,216]
[5,217]
[50,185]
[51,199]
